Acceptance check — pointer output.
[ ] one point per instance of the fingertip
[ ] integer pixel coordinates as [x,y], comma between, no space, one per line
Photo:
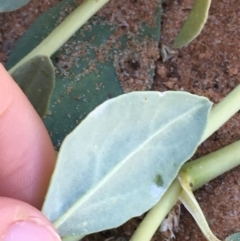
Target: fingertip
[29,231]
[22,222]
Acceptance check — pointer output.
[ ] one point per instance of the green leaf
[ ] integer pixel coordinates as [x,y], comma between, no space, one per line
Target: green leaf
[189,201]
[194,23]
[233,237]
[11,5]
[36,78]
[122,158]
[88,65]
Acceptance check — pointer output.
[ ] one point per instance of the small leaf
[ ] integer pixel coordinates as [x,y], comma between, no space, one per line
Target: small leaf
[190,203]
[194,23]
[233,237]
[122,158]
[11,5]
[36,79]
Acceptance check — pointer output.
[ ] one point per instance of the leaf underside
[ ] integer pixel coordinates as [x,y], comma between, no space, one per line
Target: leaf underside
[122,158]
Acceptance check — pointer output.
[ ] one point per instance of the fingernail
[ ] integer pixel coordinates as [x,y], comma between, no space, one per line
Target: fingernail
[29,231]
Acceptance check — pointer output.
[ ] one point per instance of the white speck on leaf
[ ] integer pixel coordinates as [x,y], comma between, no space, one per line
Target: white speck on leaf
[161,94]
[156,191]
[98,112]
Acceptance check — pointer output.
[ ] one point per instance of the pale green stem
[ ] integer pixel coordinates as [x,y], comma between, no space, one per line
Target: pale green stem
[222,112]
[64,31]
[212,165]
[154,217]
[199,171]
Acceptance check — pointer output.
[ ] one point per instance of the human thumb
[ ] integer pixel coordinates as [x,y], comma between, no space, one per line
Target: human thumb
[27,157]
[22,222]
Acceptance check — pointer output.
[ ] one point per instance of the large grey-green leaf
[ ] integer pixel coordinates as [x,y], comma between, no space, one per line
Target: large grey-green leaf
[36,78]
[122,158]
[233,237]
[11,5]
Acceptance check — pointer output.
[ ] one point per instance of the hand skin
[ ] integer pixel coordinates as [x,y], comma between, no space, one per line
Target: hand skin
[22,222]
[27,159]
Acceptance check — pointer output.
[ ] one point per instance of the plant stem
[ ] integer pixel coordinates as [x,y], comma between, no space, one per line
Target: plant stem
[199,171]
[154,217]
[208,167]
[64,31]
[222,112]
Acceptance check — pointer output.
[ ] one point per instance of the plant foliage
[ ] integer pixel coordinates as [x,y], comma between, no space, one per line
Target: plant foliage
[122,158]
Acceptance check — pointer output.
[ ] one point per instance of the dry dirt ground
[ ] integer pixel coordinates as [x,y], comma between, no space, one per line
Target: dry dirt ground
[209,66]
